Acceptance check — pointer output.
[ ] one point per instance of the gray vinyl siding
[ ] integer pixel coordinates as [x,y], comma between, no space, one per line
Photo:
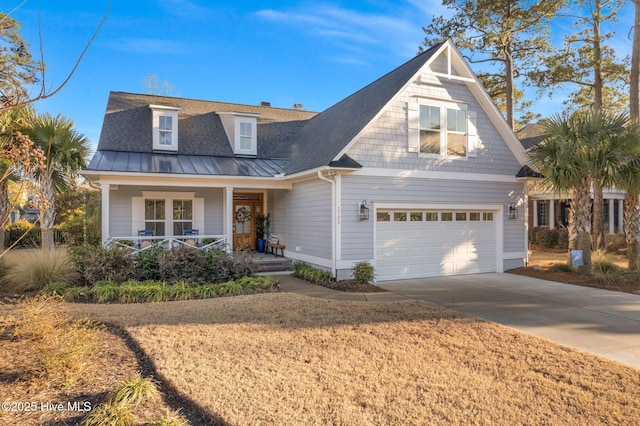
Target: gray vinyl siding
[301,218]
[384,143]
[120,212]
[357,235]
[120,208]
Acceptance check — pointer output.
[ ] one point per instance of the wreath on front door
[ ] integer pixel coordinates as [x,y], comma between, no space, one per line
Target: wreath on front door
[243,215]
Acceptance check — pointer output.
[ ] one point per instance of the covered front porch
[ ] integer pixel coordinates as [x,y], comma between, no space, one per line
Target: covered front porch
[149,214]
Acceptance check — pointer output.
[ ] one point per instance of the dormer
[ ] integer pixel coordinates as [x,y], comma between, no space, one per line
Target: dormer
[241,129]
[165,127]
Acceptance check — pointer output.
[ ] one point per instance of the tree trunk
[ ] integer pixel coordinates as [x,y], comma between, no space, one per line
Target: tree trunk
[581,215]
[48,211]
[598,218]
[632,229]
[598,83]
[4,211]
[634,87]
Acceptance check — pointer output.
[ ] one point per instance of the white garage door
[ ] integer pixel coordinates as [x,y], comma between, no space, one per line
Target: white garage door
[431,243]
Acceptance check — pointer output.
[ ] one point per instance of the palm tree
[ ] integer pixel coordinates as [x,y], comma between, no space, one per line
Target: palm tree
[629,180]
[611,142]
[562,158]
[66,153]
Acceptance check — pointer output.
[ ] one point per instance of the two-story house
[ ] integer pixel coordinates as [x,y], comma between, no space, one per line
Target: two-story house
[415,172]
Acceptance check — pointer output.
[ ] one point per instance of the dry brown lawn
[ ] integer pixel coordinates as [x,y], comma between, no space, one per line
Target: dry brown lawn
[288,359]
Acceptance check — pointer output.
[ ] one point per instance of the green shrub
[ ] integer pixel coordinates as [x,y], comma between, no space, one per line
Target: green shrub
[96,263]
[23,233]
[181,291]
[147,264]
[549,238]
[208,291]
[232,288]
[105,291]
[39,269]
[311,274]
[363,272]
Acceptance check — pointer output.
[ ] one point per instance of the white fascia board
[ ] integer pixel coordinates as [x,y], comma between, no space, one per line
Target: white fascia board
[391,100]
[165,107]
[154,179]
[428,174]
[238,114]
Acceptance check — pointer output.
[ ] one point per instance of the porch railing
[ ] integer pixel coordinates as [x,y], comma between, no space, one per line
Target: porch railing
[140,244]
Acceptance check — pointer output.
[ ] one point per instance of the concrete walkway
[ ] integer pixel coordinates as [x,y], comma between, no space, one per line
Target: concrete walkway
[601,322]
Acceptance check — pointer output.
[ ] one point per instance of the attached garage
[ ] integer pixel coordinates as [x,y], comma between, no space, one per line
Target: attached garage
[439,241]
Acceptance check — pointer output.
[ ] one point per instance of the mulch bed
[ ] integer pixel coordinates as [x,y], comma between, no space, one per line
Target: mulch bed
[352,286]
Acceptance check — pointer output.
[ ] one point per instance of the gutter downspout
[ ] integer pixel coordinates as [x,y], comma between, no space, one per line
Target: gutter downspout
[333,221]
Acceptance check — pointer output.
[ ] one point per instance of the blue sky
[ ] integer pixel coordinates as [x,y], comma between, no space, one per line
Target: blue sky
[284,52]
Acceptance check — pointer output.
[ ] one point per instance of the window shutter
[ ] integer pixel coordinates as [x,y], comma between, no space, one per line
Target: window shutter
[137,215]
[472,135]
[198,215]
[413,117]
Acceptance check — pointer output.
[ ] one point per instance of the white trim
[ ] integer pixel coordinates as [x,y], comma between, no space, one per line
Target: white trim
[161,179]
[165,107]
[227,215]
[106,217]
[612,219]
[171,112]
[168,195]
[429,174]
[334,204]
[621,217]
[320,261]
[338,234]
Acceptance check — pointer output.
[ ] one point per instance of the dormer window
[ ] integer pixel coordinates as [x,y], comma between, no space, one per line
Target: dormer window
[241,129]
[165,127]
[246,136]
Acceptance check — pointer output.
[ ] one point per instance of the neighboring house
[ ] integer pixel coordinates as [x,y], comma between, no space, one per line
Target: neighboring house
[550,209]
[415,173]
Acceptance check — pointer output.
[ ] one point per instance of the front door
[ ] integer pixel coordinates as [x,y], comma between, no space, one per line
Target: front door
[245,209]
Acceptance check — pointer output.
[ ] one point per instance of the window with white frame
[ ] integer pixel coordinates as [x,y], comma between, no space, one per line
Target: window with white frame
[182,216]
[441,128]
[154,216]
[165,127]
[246,136]
[167,213]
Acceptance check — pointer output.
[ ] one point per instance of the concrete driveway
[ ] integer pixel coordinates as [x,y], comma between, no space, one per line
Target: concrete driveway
[605,323]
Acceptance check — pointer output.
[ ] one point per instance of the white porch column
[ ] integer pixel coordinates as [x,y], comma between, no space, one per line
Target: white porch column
[535,213]
[105,212]
[552,214]
[612,219]
[227,201]
[621,216]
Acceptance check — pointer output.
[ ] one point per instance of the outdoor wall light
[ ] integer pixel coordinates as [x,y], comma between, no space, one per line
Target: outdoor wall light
[513,212]
[364,210]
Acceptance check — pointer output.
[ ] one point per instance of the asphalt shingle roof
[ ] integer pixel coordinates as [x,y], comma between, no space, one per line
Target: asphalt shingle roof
[306,140]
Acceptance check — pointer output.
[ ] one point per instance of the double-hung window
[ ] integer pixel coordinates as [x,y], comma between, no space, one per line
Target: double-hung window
[154,216]
[182,216]
[442,129]
[246,136]
[165,127]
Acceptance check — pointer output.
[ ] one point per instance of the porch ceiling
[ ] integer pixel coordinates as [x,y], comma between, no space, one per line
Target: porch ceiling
[200,165]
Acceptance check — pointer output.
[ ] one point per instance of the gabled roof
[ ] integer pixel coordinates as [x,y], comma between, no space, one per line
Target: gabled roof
[326,134]
[531,135]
